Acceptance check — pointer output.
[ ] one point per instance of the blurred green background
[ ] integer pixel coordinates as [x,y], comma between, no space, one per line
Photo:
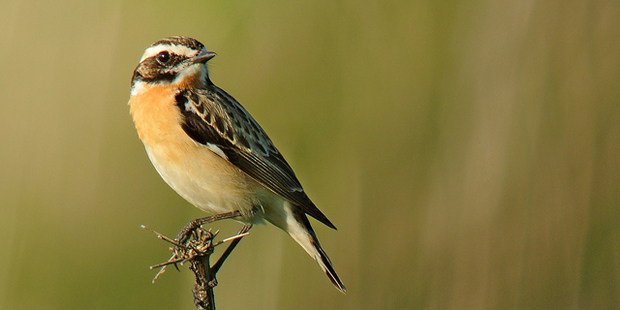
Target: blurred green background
[468,151]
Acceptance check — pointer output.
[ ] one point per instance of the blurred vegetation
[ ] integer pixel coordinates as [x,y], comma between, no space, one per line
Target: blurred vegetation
[468,151]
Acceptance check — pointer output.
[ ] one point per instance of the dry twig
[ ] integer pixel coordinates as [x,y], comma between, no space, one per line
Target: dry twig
[195,246]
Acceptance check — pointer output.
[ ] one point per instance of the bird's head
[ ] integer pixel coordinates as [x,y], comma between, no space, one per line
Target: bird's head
[170,61]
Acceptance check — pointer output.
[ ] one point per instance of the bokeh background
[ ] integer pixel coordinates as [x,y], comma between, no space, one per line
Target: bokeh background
[468,151]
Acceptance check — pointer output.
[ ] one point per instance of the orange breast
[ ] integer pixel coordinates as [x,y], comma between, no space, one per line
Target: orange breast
[156,116]
[199,175]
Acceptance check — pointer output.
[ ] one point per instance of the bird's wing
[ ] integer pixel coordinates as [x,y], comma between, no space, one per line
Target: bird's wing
[215,119]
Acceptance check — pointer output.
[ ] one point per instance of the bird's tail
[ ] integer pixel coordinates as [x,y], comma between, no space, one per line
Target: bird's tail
[298,227]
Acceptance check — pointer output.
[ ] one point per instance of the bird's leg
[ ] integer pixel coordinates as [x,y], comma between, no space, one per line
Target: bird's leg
[216,267]
[183,235]
[243,232]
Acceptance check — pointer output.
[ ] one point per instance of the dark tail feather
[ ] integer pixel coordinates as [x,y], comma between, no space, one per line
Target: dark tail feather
[310,243]
[329,269]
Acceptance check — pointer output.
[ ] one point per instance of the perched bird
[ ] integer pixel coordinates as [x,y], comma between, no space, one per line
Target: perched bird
[209,149]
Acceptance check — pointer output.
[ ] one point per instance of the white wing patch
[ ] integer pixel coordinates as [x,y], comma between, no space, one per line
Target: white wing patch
[217,150]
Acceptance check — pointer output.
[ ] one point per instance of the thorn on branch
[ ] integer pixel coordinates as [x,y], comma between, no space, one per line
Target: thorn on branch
[195,246]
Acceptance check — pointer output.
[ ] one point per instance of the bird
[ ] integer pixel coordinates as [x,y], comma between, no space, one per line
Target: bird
[211,151]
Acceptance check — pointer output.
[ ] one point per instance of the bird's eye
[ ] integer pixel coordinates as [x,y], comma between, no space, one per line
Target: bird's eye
[163,57]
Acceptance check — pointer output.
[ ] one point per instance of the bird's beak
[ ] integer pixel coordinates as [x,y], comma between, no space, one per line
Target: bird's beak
[202,58]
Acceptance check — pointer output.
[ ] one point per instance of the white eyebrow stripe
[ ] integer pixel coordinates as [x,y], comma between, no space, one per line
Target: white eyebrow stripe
[172,48]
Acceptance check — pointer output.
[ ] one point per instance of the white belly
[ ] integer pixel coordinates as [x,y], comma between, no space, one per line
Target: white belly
[206,180]
[195,172]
